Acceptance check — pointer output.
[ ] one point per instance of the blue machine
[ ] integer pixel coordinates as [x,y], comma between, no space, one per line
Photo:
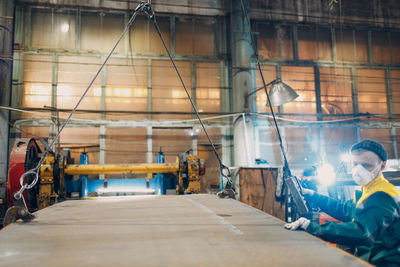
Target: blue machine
[121,186]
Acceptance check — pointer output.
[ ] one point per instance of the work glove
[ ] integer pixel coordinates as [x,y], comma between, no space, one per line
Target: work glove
[301,224]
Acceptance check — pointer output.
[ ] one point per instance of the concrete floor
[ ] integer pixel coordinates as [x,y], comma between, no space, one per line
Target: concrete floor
[192,230]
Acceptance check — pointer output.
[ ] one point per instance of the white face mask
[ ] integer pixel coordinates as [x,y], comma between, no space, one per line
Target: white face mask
[362,176]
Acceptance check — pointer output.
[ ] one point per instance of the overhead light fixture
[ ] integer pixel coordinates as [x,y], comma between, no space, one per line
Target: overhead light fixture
[279,94]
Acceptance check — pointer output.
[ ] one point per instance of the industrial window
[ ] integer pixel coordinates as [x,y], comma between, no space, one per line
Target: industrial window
[324,44]
[208,93]
[74,76]
[195,36]
[269,73]
[301,79]
[214,133]
[168,94]
[371,90]
[267,41]
[285,34]
[395,78]
[302,146]
[100,32]
[53,29]
[381,47]
[274,41]
[138,36]
[361,38]
[126,145]
[344,45]
[37,82]
[395,43]
[126,88]
[28,132]
[172,142]
[336,143]
[336,91]
[351,45]
[156,46]
[314,43]
[144,37]
[380,135]
[82,139]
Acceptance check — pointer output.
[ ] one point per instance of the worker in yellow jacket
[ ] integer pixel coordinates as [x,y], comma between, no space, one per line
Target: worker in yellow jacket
[370,222]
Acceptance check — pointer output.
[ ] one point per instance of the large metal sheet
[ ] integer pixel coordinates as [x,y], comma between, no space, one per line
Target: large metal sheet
[191,230]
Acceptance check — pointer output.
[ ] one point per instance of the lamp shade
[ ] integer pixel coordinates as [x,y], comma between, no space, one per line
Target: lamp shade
[281,93]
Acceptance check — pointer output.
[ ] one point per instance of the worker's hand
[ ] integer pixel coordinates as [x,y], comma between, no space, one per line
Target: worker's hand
[301,224]
[307,192]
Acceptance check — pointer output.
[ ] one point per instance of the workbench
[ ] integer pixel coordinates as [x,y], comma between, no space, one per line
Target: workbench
[162,230]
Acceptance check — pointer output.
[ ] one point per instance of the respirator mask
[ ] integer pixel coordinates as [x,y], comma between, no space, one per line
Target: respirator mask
[362,176]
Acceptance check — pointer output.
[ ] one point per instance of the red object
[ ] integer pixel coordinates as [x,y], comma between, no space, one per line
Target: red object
[202,167]
[23,154]
[324,218]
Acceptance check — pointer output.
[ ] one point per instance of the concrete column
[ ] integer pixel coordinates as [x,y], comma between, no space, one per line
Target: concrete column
[6,37]
[242,74]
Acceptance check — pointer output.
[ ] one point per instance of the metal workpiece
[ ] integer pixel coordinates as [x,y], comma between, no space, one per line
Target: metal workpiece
[172,230]
[121,168]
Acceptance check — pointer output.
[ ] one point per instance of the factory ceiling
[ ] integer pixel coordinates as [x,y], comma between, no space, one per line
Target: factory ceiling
[377,13]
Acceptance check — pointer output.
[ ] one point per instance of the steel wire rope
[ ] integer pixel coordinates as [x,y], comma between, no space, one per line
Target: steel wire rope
[35,170]
[224,170]
[286,164]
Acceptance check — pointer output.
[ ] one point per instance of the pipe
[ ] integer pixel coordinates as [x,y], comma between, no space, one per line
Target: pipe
[121,168]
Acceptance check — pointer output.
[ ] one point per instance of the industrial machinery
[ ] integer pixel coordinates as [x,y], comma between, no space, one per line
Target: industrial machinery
[56,177]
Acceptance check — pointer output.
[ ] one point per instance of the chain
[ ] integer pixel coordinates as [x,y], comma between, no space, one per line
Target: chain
[35,170]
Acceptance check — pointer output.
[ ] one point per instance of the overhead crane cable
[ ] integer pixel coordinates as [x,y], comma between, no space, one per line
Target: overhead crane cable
[35,170]
[286,163]
[224,170]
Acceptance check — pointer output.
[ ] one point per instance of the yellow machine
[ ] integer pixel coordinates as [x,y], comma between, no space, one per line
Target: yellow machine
[56,174]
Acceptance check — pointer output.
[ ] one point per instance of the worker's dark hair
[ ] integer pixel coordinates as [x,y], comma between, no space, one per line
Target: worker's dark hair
[371,145]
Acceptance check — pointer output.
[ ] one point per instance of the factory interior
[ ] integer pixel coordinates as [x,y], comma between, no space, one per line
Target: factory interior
[182,132]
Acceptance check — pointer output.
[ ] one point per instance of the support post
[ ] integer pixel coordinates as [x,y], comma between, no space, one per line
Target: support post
[242,52]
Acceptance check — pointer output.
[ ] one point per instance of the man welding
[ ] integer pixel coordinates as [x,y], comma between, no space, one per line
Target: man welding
[371,222]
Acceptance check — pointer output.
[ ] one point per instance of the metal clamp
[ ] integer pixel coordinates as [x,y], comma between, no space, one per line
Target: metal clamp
[18,211]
